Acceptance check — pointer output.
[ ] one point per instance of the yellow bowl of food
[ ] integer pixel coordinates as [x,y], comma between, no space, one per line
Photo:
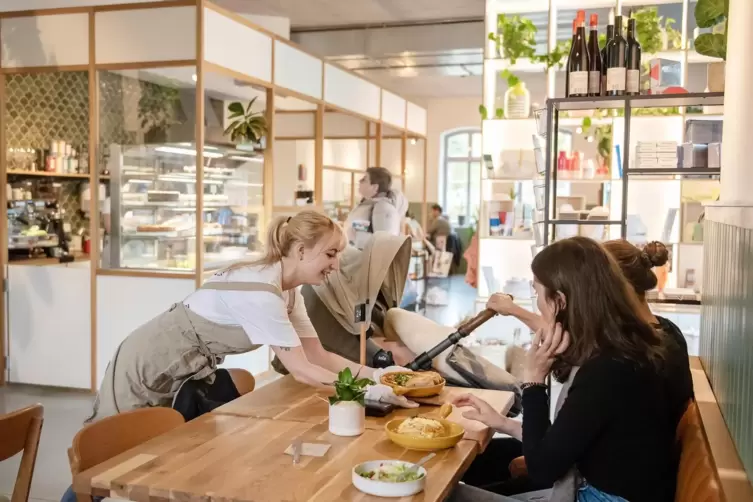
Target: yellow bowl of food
[414,383]
[424,433]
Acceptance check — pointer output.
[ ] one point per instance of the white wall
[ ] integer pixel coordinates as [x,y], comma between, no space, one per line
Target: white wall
[445,115]
[278,25]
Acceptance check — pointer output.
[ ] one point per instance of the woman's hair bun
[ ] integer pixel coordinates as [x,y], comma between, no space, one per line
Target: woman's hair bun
[655,254]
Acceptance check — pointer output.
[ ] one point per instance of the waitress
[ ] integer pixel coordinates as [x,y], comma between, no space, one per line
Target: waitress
[239,309]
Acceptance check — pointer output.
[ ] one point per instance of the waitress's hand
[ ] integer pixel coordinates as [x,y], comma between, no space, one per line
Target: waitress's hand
[481,411]
[501,303]
[385,394]
[547,344]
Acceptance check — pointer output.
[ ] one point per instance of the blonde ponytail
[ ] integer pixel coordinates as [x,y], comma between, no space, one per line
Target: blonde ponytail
[307,227]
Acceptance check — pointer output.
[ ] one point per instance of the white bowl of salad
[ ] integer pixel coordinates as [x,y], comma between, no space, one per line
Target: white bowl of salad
[385,478]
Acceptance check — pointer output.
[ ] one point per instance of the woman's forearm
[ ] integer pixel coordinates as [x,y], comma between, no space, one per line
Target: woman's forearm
[533,321]
[512,428]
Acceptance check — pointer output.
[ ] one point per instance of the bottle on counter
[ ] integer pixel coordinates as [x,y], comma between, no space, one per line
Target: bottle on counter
[633,61]
[594,57]
[83,160]
[578,62]
[616,61]
[610,36]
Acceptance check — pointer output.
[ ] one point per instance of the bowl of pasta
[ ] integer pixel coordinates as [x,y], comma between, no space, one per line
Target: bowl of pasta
[424,433]
[414,383]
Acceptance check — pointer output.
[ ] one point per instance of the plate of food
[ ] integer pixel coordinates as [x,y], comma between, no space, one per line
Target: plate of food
[424,433]
[414,383]
[389,478]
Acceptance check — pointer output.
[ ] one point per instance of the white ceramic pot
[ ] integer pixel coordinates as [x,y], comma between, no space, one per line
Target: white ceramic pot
[517,102]
[347,418]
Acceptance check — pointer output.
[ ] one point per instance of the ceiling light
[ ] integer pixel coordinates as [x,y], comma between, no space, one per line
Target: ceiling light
[579,130]
[194,77]
[413,141]
[247,159]
[590,139]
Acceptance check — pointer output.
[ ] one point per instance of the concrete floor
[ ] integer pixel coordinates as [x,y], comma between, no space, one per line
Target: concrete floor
[65,411]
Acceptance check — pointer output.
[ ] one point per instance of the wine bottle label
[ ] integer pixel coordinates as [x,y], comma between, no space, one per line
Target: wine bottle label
[594,82]
[616,79]
[633,80]
[578,83]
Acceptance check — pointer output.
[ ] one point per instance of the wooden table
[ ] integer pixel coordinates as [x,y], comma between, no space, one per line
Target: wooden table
[226,458]
[286,399]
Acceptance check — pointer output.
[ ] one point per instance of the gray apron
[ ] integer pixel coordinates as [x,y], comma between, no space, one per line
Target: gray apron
[152,363]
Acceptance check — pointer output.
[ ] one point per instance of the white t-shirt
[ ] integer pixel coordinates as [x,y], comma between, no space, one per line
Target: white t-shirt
[262,315]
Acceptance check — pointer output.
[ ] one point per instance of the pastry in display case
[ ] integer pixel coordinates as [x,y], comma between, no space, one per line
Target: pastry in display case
[154,202]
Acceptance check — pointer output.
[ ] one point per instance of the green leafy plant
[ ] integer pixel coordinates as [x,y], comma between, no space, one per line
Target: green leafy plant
[247,126]
[712,14]
[515,38]
[498,113]
[674,37]
[648,29]
[603,135]
[349,388]
[158,110]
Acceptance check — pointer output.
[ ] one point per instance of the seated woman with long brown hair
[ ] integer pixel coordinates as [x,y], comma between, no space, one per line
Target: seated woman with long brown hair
[614,432]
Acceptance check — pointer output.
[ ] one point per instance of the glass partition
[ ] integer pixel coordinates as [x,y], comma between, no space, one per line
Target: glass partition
[46,128]
[234,143]
[147,147]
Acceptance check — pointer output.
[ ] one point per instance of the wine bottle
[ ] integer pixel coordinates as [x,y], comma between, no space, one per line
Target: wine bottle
[633,61]
[594,58]
[578,62]
[605,64]
[616,54]
[572,47]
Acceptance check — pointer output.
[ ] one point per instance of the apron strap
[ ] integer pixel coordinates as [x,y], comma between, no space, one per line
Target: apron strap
[250,286]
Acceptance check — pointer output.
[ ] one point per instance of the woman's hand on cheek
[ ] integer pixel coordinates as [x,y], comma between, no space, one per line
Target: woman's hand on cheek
[547,344]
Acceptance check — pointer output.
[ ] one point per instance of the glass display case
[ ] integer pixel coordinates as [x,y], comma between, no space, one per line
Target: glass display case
[153,206]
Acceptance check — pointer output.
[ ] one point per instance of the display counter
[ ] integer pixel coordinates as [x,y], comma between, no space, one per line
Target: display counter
[49,323]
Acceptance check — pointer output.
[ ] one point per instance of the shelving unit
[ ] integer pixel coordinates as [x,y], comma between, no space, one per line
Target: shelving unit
[508,257]
[618,220]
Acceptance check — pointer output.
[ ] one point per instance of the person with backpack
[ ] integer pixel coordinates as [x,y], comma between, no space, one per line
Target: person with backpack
[381,208]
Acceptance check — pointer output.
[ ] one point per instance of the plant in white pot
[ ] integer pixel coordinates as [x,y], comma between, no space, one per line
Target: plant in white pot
[713,14]
[347,411]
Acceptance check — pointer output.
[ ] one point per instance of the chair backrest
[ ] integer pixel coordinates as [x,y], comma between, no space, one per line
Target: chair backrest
[243,380]
[697,477]
[102,440]
[20,431]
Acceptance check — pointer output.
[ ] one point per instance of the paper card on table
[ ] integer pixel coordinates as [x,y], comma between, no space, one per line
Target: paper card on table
[311,449]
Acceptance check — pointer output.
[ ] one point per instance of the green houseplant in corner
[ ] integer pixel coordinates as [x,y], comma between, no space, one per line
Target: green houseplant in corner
[347,412]
[713,14]
[247,126]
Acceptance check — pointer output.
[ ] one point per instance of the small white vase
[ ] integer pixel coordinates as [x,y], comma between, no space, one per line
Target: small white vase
[347,418]
[517,102]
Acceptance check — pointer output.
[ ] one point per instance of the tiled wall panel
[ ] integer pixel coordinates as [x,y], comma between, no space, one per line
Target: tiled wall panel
[726,344]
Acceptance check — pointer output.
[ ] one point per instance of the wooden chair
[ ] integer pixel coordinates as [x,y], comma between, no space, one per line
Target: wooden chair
[20,431]
[102,440]
[243,380]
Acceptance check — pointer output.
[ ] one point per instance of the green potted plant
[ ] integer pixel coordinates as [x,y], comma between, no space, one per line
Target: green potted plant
[515,39]
[158,111]
[713,14]
[347,412]
[247,126]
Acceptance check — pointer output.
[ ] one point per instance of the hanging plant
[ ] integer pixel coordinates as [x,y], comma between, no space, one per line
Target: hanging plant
[712,14]
[247,126]
[157,110]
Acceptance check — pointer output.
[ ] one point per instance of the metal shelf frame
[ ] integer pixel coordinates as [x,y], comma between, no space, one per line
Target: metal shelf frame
[627,103]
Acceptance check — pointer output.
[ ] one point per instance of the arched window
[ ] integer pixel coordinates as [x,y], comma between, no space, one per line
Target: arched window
[461,175]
